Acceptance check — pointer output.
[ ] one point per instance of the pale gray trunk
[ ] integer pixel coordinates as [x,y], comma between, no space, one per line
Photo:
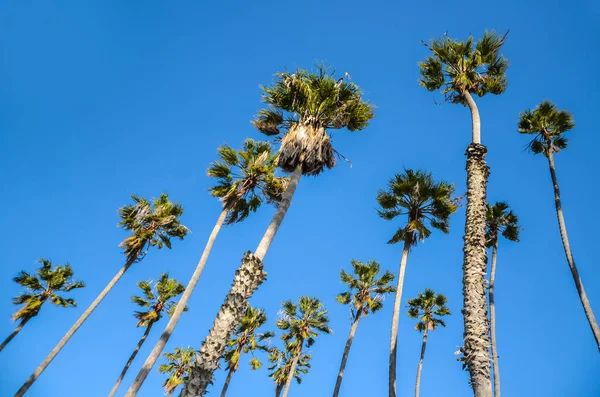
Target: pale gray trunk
[493,320]
[226,385]
[340,376]
[420,367]
[475,120]
[290,376]
[164,338]
[14,333]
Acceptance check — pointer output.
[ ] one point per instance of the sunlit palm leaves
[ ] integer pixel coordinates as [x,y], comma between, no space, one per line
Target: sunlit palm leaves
[303,322]
[282,365]
[178,367]
[548,125]
[429,309]
[501,220]
[158,299]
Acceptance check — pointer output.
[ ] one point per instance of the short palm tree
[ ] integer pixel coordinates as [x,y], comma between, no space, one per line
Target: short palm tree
[156,301]
[301,108]
[282,363]
[245,178]
[366,290]
[45,286]
[549,125]
[462,69]
[178,367]
[246,340]
[426,204]
[151,225]
[428,307]
[500,221]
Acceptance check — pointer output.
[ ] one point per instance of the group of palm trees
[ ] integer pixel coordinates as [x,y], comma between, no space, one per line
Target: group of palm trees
[301,108]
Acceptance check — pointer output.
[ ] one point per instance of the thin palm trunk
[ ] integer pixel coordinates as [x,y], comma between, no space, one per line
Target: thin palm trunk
[420,367]
[131,358]
[340,376]
[396,317]
[278,390]
[14,333]
[247,280]
[290,375]
[587,308]
[226,385]
[493,322]
[164,338]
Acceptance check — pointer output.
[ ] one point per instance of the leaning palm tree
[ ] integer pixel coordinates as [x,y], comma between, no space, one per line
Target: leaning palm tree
[301,108]
[157,300]
[462,69]
[549,125]
[178,368]
[45,286]
[151,225]
[425,203]
[245,178]
[282,363]
[365,295]
[500,220]
[427,307]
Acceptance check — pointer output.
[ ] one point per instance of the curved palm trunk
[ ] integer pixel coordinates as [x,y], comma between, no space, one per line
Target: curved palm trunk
[247,280]
[131,358]
[493,322]
[278,390]
[420,367]
[14,333]
[396,318]
[226,385]
[338,382]
[164,338]
[21,392]
[290,375]
[587,308]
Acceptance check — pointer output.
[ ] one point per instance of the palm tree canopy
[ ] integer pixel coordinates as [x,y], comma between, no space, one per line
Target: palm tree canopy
[303,322]
[428,307]
[423,200]
[43,286]
[501,220]
[548,124]
[246,340]
[282,363]
[178,367]
[150,224]
[456,67]
[157,300]
[244,177]
[301,107]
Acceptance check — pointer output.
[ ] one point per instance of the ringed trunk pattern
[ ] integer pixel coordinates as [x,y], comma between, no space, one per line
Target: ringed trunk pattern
[420,367]
[338,382]
[14,333]
[493,321]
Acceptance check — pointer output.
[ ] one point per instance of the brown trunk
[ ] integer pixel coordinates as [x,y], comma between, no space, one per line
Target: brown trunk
[290,375]
[420,367]
[493,320]
[278,390]
[338,383]
[226,385]
[14,333]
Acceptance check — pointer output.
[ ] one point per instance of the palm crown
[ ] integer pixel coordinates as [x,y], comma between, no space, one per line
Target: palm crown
[178,367]
[45,286]
[501,220]
[548,124]
[282,364]
[428,308]
[157,300]
[303,322]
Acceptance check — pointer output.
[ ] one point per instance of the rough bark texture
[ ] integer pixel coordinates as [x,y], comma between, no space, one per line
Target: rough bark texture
[14,333]
[493,322]
[340,376]
[247,279]
[226,385]
[420,367]
[290,376]
[476,341]
[587,308]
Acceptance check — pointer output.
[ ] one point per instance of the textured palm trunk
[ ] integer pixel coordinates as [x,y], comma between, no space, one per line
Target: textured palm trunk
[493,321]
[247,280]
[340,376]
[420,367]
[278,390]
[131,358]
[587,308]
[164,338]
[290,375]
[226,385]
[14,333]
[396,318]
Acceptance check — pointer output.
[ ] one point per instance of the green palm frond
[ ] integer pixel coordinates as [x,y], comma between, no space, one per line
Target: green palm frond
[428,307]
[281,365]
[548,124]
[158,299]
[178,367]
[246,339]
[501,220]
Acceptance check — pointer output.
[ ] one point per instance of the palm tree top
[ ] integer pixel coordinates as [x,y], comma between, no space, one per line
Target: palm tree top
[548,124]
[246,339]
[282,362]
[302,321]
[427,307]
[500,219]
[179,365]
[157,301]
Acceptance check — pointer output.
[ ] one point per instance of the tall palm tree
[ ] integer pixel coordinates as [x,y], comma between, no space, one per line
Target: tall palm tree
[365,295]
[500,220]
[157,302]
[428,308]
[178,367]
[245,178]
[282,363]
[549,125]
[425,203]
[462,69]
[45,286]
[301,108]
[246,340]
[151,225]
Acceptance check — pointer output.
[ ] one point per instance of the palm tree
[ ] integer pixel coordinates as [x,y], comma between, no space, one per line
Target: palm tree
[151,225]
[245,178]
[178,367]
[424,202]
[39,289]
[500,220]
[425,307]
[301,108]
[157,302]
[461,69]
[365,295]
[549,126]
[282,362]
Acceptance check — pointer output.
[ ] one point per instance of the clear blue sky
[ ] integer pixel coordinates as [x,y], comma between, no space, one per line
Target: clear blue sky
[106,99]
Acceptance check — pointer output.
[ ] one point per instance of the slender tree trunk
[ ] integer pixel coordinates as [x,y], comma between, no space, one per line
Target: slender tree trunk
[587,308]
[164,338]
[131,358]
[290,375]
[475,121]
[14,333]
[278,390]
[247,280]
[21,392]
[493,321]
[338,382]
[420,367]
[226,385]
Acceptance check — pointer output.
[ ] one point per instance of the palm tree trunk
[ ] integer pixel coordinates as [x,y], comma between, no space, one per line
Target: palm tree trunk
[587,308]
[226,385]
[493,322]
[131,358]
[420,367]
[247,280]
[475,121]
[338,383]
[278,390]
[14,333]
[290,375]
[396,317]
[164,338]
[21,392]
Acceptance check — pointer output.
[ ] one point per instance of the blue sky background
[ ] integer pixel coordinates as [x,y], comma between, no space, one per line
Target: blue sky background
[104,99]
